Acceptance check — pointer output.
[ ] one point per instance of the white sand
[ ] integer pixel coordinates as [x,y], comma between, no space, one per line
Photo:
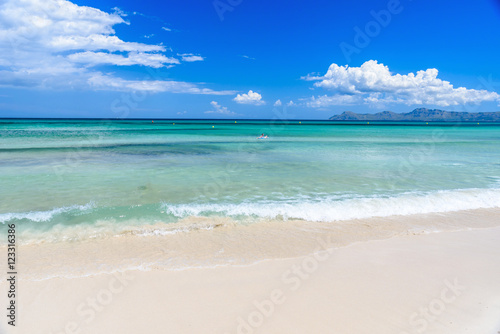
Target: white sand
[432,283]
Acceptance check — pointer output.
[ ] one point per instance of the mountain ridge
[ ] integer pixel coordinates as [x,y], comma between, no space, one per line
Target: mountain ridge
[420,114]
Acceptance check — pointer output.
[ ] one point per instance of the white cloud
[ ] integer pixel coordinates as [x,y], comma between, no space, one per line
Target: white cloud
[166,29]
[335,100]
[218,109]
[119,11]
[290,104]
[248,57]
[250,98]
[189,57]
[373,83]
[97,42]
[277,103]
[154,60]
[56,44]
[99,81]
[192,58]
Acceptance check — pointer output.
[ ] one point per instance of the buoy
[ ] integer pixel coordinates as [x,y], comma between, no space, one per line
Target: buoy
[367,122]
[426,123]
[212,126]
[235,121]
[173,123]
[152,121]
[300,122]
[477,123]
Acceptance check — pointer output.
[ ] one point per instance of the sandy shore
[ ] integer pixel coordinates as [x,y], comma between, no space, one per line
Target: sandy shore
[206,242]
[427,283]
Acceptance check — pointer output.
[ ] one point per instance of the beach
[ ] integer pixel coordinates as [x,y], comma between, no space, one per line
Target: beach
[197,226]
[431,282]
[249,167]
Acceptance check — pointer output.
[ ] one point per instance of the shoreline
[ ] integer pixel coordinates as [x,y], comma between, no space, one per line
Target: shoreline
[213,242]
[378,286]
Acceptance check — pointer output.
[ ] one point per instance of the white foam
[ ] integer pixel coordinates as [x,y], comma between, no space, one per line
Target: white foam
[355,208]
[43,216]
[161,232]
[324,209]
[106,228]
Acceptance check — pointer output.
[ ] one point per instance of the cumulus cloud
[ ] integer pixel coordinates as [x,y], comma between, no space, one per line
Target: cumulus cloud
[250,98]
[58,44]
[218,109]
[277,103]
[373,83]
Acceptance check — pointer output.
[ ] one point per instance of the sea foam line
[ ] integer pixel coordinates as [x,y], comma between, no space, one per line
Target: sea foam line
[43,216]
[355,208]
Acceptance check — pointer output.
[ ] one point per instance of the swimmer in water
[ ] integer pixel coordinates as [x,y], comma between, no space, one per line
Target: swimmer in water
[262,136]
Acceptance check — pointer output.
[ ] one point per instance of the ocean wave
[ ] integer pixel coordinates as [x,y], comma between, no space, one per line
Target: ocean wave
[43,216]
[321,208]
[168,219]
[355,208]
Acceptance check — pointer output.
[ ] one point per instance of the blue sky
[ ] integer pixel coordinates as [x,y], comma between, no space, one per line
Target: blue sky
[246,59]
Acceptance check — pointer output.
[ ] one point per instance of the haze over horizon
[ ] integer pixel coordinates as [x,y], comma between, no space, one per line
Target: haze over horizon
[246,59]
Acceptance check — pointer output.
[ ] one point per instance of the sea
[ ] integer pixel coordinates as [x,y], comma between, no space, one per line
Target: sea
[67,180]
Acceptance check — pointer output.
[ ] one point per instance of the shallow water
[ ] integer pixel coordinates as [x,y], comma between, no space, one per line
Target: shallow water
[75,179]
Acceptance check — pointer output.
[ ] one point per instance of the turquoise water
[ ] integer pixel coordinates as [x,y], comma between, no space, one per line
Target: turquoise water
[56,175]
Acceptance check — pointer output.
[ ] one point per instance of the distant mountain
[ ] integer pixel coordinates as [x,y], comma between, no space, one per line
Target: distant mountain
[421,114]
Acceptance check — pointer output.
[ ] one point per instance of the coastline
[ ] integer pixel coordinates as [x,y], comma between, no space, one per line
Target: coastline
[364,280]
[202,242]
